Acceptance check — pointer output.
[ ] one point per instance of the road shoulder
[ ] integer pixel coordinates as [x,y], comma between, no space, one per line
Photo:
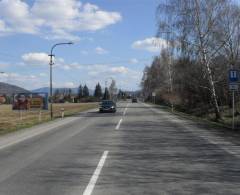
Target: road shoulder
[226,139]
[15,137]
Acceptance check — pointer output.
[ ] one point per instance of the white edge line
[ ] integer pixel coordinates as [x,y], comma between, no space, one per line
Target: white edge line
[94,178]
[119,123]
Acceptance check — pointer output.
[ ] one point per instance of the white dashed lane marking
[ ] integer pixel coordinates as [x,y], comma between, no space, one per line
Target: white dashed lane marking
[125,110]
[119,123]
[94,178]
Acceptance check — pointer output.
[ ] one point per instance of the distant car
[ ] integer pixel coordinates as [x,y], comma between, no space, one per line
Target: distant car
[134,100]
[107,106]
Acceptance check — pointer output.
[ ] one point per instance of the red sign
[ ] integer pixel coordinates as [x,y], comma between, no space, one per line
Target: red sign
[27,101]
[2,99]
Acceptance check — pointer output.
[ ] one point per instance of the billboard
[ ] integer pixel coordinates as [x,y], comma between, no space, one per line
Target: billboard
[30,101]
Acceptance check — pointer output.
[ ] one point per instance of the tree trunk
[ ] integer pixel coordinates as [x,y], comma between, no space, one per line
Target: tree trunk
[212,87]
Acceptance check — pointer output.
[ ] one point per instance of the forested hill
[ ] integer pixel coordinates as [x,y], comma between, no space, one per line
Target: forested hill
[10,89]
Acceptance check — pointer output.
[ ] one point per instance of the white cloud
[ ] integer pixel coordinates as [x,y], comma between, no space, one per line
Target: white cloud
[19,78]
[42,74]
[93,18]
[16,17]
[98,69]
[89,74]
[27,81]
[100,51]
[133,61]
[36,58]
[3,28]
[33,81]
[122,75]
[59,34]
[4,75]
[69,85]
[66,67]
[152,44]
[54,19]
[119,69]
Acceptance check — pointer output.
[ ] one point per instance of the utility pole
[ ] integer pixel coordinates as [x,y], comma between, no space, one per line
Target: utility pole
[51,63]
[233,86]
[51,97]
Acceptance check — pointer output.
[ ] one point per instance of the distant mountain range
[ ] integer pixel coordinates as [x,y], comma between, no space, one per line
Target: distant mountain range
[9,89]
[47,89]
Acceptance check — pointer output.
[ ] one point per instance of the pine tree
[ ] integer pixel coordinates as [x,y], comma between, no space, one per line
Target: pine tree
[113,90]
[85,91]
[106,95]
[98,91]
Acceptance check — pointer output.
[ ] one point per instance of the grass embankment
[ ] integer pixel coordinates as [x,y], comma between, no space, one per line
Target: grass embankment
[208,119]
[14,120]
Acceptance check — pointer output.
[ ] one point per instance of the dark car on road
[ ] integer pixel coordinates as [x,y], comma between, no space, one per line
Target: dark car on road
[107,106]
[134,100]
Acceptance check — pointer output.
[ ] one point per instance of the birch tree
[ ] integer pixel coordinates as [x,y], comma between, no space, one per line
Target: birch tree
[229,30]
[194,25]
[113,89]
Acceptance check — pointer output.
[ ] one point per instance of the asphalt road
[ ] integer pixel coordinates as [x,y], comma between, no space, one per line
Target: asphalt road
[138,150]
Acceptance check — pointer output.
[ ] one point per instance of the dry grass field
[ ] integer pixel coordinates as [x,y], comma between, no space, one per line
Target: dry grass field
[14,120]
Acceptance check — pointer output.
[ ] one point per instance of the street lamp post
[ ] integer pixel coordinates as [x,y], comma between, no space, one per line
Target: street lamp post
[51,64]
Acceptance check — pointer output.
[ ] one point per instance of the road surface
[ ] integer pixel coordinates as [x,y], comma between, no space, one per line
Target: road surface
[138,150]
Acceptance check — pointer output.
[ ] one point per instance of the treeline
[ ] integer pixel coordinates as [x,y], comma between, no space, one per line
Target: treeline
[83,94]
[63,95]
[99,94]
[199,42]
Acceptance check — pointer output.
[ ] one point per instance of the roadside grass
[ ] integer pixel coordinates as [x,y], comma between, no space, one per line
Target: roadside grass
[209,119]
[11,121]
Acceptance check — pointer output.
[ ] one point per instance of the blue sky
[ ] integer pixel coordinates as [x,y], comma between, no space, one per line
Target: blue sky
[112,38]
